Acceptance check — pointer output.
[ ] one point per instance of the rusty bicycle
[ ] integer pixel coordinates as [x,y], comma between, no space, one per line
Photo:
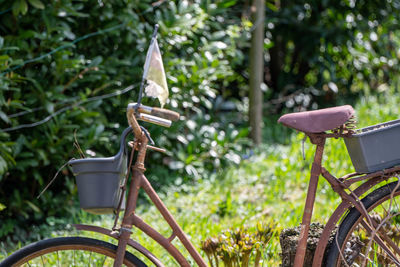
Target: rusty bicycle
[364,230]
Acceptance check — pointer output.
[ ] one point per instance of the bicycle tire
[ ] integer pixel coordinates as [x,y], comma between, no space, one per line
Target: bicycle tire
[351,241]
[69,251]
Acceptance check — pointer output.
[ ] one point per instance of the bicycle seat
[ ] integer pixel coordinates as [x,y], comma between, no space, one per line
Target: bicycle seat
[318,121]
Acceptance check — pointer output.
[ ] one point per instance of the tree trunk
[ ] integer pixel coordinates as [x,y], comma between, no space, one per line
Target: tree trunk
[256,70]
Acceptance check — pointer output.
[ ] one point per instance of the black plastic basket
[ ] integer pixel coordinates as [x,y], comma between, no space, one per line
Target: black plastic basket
[375,147]
[99,180]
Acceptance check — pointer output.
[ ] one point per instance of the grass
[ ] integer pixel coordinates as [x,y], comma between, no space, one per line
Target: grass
[270,186]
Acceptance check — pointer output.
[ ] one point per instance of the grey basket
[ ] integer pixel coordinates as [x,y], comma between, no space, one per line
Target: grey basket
[99,180]
[375,147]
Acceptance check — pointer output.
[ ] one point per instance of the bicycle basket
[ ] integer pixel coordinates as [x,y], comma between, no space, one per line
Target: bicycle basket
[375,147]
[99,180]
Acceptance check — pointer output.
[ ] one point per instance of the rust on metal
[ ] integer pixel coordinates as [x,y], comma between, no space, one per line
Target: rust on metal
[161,150]
[131,242]
[378,239]
[129,212]
[142,148]
[350,175]
[172,223]
[338,213]
[130,218]
[137,169]
[172,237]
[386,172]
[148,230]
[312,189]
[338,187]
[130,114]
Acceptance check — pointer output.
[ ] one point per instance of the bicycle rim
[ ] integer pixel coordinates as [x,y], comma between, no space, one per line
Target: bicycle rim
[69,251]
[357,246]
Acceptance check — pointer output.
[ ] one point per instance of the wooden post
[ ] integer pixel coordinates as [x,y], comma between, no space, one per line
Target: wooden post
[256,70]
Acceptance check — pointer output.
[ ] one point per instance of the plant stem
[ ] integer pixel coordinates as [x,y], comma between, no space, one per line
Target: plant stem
[257,259]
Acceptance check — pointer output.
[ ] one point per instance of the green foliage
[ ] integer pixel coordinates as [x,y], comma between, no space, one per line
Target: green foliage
[49,61]
[240,247]
[55,55]
[328,51]
[270,185]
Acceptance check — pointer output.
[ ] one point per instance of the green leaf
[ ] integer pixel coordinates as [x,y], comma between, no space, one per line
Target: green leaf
[49,106]
[3,166]
[4,117]
[17,62]
[37,3]
[96,61]
[33,206]
[4,58]
[272,7]
[19,7]
[227,4]
[2,207]
[10,48]
[24,7]
[16,7]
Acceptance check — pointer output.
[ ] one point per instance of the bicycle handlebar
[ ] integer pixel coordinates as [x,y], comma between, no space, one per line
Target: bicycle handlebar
[157,112]
[165,114]
[130,115]
[154,120]
[159,116]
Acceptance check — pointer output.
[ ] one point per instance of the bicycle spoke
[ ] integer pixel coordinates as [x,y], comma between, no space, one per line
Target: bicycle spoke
[379,238]
[104,260]
[90,258]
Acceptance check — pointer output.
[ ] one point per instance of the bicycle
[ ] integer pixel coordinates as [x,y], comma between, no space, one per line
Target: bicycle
[364,229]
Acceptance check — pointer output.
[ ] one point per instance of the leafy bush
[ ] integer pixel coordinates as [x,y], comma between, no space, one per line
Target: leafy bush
[328,51]
[56,60]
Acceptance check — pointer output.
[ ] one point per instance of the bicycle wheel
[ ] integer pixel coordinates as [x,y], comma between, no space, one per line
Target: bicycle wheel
[69,251]
[357,248]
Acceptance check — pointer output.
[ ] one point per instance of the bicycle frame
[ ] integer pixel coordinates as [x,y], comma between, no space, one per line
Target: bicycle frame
[131,219]
[339,185]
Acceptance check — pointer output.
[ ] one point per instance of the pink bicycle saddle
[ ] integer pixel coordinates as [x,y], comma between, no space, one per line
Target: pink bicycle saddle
[318,121]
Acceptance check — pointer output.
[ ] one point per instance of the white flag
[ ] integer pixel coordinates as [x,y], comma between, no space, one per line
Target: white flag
[155,75]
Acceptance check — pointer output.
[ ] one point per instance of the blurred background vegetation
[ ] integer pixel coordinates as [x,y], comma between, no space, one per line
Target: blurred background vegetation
[56,58]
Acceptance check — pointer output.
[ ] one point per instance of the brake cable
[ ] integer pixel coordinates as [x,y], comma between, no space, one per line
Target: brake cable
[147,134]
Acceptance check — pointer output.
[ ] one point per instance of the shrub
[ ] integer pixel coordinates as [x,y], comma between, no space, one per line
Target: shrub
[240,247]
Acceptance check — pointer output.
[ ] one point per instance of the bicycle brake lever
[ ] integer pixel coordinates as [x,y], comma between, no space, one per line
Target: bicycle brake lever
[147,135]
[162,150]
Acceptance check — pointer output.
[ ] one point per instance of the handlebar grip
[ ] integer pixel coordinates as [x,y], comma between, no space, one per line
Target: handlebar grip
[165,113]
[155,120]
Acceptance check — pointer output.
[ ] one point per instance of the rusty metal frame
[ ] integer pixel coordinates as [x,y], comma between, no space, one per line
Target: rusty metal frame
[139,181]
[371,180]
[318,140]
[349,200]
[132,243]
